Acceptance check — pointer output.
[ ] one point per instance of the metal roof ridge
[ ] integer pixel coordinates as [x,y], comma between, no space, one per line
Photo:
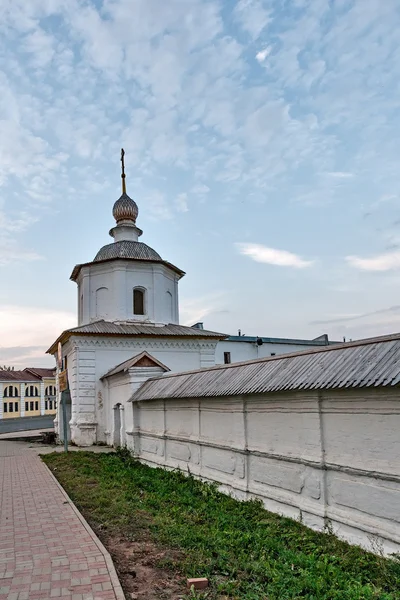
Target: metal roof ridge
[334,347]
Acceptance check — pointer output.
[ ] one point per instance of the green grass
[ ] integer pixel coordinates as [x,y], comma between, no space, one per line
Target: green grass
[245,551]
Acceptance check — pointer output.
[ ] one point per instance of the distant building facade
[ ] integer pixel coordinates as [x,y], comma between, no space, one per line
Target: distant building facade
[238,348]
[27,393]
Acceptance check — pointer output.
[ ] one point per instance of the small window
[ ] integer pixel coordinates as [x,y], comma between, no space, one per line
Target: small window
[16,407]
[51,404]
[227,358]
[31,406]
[26,405]
[46,405]
[273,353]
[10,407]
[138,302]
[36,405]
[5,407]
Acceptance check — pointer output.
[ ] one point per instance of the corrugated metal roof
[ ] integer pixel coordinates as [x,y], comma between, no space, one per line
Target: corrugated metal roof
[135,329]
[366,363]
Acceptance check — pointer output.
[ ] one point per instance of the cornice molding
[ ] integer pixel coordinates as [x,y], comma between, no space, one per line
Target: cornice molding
[88,342]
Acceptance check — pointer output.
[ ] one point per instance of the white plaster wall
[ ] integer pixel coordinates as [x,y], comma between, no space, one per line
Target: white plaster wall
[323,458]
[105,291]
[92,357]
[241,350]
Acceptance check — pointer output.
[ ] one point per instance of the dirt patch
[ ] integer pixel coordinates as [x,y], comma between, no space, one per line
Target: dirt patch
[138,564]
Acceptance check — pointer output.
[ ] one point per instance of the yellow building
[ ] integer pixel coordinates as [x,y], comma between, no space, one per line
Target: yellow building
[27,393]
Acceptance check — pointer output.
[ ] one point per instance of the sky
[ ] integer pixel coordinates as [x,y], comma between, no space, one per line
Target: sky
[262,142]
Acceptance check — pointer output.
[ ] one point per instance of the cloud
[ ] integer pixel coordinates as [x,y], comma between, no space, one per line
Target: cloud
[32,326]
[262,54]
[194,310]
[272,256]
[181,203]
[11,251]
[340,174]
[252,16]
[392,310]
[383,262]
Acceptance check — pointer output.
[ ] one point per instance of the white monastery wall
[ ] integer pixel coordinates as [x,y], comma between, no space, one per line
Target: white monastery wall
[322,458]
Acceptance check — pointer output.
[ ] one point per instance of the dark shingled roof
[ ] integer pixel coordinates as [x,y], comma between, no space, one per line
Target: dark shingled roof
[17,376]
[366,363]
[127,249]
[43,373]
[109,328]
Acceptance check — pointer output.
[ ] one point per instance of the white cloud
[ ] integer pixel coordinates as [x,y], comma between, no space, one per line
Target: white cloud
[252,16]
[194,310]
[201,188]
[181,203]
[383,262]
[32,326]
[340,174]
[272,256]
[262,54]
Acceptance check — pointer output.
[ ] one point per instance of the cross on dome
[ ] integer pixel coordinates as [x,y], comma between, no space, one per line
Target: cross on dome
[125,210]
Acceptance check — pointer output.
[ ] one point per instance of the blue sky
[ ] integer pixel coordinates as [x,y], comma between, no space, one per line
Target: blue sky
[262,143]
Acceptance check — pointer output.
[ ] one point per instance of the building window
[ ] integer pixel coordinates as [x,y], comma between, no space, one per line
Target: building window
[36,405]
[50,391]
[31,391]
[227,358]
[16,407]
[31,406]
[5,407]
[138,301]
[10,407]
[26,405]
[46,405]
[11,392]
[273,353]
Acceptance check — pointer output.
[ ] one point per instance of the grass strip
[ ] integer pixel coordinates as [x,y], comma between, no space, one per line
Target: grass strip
[245,551]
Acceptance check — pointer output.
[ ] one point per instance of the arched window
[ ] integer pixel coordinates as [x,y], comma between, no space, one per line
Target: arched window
[11,392]
[138,301]
[31,391]
[102,302]
[50,390]
[169,305]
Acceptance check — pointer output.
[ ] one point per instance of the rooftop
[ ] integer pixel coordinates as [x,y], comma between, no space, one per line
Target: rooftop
[110,328]
[17,376]
[372,362]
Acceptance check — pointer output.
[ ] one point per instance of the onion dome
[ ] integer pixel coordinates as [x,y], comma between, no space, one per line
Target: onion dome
[125,209]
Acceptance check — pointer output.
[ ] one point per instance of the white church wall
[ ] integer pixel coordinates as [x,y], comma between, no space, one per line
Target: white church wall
[105,291]
[90,358]
[322,458]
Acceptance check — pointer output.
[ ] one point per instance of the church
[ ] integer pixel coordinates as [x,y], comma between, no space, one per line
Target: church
[128,330]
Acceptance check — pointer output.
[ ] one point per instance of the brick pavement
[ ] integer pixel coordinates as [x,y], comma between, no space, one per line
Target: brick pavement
[47,550]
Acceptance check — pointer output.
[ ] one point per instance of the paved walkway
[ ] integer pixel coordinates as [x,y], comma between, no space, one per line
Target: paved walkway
[47,550]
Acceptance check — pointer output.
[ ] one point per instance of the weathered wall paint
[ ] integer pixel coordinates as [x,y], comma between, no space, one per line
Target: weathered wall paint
[324,458]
